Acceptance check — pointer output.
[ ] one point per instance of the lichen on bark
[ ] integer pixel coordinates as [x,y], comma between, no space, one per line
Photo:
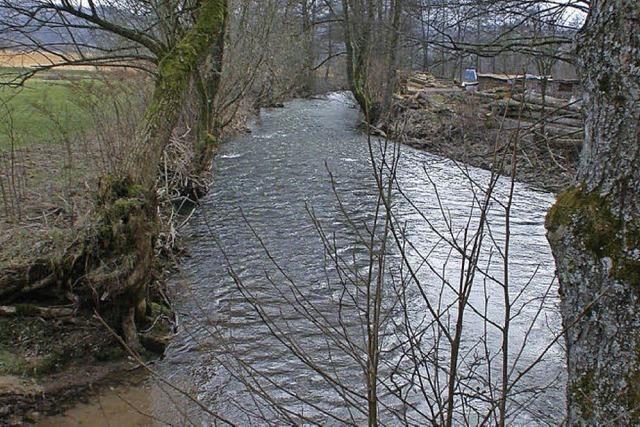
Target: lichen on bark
[594,227]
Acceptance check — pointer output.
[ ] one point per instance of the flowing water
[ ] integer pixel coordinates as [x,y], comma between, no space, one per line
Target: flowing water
[256,226]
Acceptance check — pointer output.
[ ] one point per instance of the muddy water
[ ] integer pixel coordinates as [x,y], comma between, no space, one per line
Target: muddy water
[111,406]
[266,184]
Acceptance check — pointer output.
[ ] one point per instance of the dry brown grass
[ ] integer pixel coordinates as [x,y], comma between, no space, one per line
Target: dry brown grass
[47,190]
[13,59]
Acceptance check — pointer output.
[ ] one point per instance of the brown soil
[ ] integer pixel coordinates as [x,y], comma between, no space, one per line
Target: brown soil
[120,403]
[46,362]
[26,401]
[47,365]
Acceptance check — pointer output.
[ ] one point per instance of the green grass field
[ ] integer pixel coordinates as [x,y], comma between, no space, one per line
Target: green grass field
[45,111]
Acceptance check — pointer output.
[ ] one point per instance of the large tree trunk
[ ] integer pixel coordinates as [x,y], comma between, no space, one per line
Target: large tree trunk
[594,228]
[176,69]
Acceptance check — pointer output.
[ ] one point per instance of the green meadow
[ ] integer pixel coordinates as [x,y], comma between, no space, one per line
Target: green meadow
[45,111]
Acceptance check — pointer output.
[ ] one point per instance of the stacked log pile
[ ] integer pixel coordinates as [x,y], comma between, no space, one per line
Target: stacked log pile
[560,121]
[419,82]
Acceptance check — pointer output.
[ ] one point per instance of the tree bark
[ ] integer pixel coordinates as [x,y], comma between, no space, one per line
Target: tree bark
[208,82]
[177,68]
[308,15]
[390,84]
[357,34]
[175,71]
[594,227]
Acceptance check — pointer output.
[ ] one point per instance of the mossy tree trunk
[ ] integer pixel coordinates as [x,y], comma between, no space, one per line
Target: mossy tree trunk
[207,84]
[594,228]
[358,20]
[177,67]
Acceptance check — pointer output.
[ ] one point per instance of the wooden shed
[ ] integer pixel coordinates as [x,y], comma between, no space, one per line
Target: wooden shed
[493,80]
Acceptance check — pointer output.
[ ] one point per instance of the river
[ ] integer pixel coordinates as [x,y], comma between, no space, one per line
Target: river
[255,232]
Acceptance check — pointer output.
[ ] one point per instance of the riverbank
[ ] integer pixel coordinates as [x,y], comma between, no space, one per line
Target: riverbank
[431,122]
[481,129]
[54,347]
[62,268]
[58,262]
[76,359]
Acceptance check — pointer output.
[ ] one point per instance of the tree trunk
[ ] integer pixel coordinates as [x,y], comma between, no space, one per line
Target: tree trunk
[357,34]
[177,68]
[390,84]
[308,16]
[594,228]
[175,71]
[208,82]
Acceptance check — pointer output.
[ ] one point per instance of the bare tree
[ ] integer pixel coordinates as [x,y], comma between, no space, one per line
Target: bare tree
[175,40]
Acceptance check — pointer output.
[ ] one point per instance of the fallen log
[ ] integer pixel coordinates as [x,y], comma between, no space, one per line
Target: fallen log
[566,121]
[557,131]
[549,101]
[29,310]
[564,143]
[550,129]
[548,119]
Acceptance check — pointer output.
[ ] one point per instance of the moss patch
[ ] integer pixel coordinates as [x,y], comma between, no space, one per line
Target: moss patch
[602,232]
[113,188]
[119,198]
[582,391]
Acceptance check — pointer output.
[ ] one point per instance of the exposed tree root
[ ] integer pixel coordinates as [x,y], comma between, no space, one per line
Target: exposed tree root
[121,236]
[109,263]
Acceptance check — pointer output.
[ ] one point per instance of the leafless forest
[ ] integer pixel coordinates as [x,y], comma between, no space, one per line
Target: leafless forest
[319,212]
